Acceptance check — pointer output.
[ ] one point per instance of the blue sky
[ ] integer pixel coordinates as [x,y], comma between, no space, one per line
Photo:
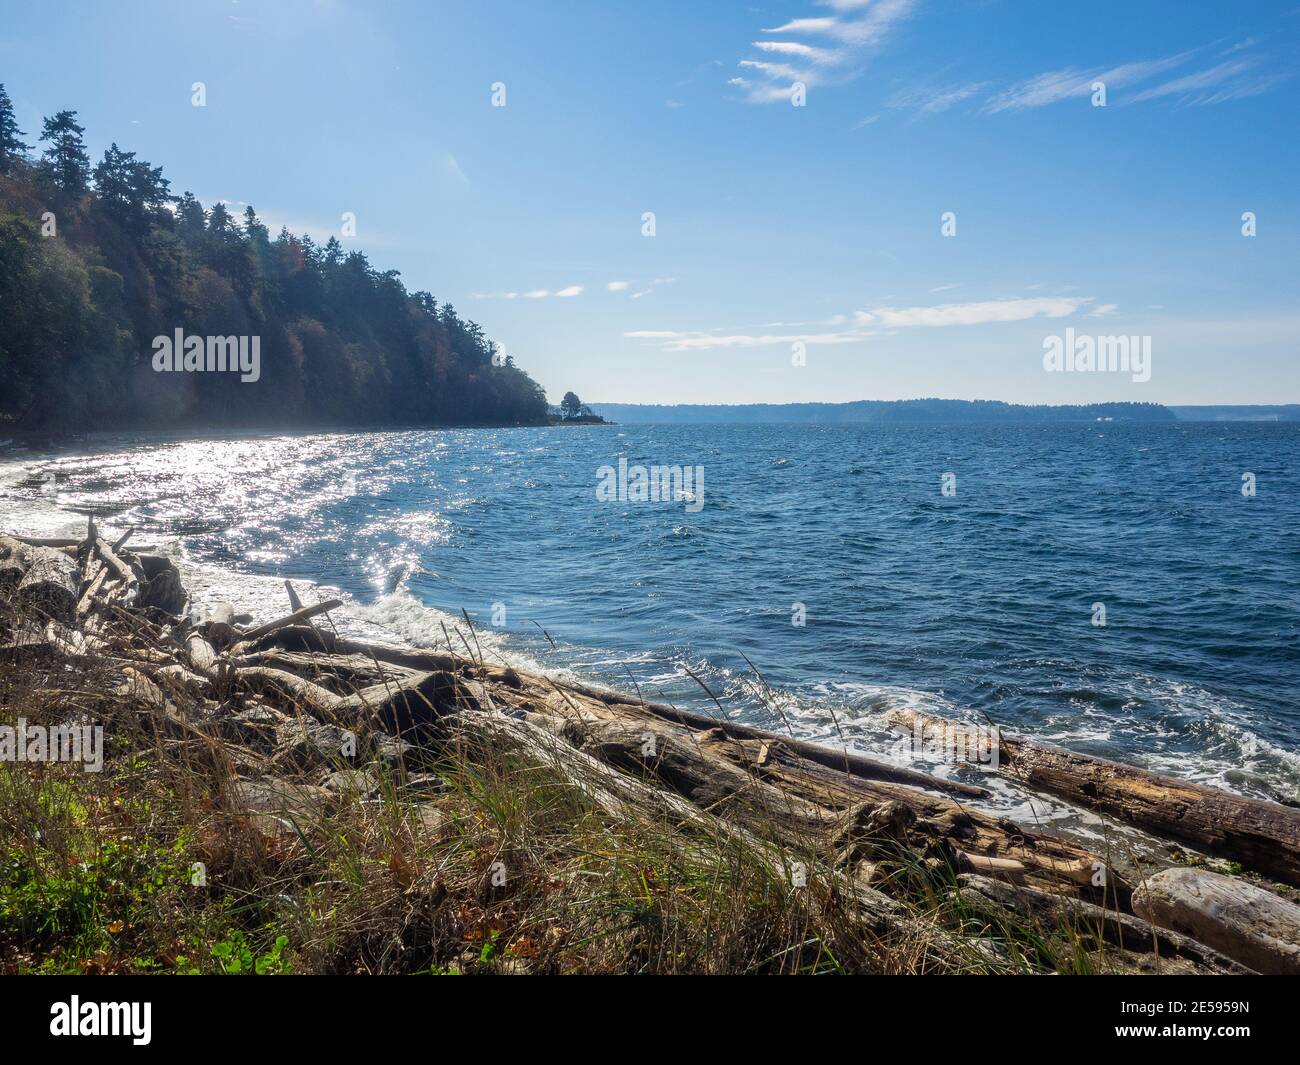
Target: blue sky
[774,224]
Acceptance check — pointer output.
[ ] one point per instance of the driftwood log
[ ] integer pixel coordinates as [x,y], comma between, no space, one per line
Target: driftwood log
[15,557]
[50,584]
[1153,944]
[1262,836]
[1260,928]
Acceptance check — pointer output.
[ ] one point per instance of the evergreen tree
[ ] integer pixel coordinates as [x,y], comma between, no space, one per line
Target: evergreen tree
[66,155]
[131,190]
[253,228]
[11,148]
[190,219]
[220,225]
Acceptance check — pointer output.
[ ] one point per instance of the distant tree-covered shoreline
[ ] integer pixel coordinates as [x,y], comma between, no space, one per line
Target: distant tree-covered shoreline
[886,412]
[98,260]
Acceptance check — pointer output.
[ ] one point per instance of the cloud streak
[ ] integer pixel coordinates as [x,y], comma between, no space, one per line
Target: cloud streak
[531,294]
[841,44]
[1237,76]
[1233,79]
[866,324]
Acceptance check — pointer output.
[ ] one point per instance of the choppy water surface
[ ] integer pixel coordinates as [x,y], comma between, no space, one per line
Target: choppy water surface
[978,603]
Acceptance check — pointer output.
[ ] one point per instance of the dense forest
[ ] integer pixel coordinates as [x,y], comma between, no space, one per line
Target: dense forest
[98,260]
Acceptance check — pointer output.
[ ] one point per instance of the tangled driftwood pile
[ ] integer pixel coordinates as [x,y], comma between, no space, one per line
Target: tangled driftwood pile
[302,712]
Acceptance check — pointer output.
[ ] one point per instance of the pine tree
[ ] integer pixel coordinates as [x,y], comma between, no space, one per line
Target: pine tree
[190,219]
[253,227]
[130,190]
[11,148]
[113,179]
[66,154]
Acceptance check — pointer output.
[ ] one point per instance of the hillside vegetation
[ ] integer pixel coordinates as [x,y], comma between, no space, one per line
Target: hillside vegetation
[98,260]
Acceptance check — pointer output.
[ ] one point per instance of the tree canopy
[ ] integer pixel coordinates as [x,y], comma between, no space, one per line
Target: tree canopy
[12,149]
[90,274]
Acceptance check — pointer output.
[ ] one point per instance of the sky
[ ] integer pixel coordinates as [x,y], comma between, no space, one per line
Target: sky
[799,160]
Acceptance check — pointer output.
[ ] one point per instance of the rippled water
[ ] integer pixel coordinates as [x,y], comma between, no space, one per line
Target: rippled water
[978,603]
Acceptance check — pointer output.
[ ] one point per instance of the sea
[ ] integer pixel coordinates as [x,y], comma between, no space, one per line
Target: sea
[1129,590]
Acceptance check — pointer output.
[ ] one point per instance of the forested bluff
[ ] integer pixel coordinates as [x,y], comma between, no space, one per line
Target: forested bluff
[99,260]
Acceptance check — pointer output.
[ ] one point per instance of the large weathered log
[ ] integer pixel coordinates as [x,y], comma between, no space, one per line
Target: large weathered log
[349,670]
[1097,926]
[220,624]
[848,761]
[202,655]
[1263,836]
[15,558]
[416,702]
[319,701]
[65,542]
[1245,922]
[50,584]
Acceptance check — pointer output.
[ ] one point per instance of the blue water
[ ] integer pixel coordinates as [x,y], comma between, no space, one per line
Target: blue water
[972,604]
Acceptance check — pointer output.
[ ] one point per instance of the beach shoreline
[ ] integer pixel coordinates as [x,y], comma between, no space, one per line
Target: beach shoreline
[304,723]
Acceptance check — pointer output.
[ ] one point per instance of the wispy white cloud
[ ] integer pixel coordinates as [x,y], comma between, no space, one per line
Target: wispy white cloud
[794,48]
[1053,86]
[658,282]
[931,100]
[865,324]
[842,43]
[806,25]
[531,294]
[617,286]
[450,171]
[695,341]
[1232,79]
[978,313]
